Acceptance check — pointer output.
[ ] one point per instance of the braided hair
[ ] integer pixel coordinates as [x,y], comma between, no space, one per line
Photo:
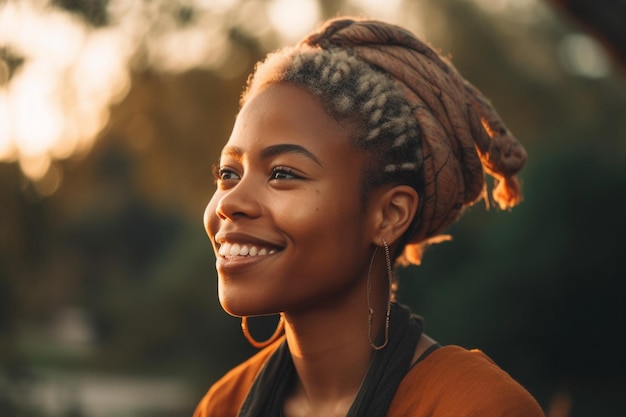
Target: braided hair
[418,121]
[350,89]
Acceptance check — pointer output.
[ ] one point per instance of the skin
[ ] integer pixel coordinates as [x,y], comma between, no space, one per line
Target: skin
[289,181]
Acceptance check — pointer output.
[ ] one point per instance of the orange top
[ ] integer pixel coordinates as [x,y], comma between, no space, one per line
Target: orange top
[451,381]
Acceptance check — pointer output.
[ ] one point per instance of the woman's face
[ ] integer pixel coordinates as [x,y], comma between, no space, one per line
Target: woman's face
[287,221]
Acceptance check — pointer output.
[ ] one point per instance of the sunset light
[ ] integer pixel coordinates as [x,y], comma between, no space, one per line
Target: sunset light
[59,74]
[56,100]
[294,19]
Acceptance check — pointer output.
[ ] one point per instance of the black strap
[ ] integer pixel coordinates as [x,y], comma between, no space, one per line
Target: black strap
[267,394]
[387,368]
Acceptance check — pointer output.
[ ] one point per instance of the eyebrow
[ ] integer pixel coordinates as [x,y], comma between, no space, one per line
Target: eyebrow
[232,151]
[274,150]
[289,148]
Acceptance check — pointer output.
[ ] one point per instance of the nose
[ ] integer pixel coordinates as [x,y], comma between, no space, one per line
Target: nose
[241,201]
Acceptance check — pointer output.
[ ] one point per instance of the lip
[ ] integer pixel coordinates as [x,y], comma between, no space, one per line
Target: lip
[233,265]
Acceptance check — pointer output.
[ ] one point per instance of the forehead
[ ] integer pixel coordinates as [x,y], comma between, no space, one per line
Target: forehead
[284,113]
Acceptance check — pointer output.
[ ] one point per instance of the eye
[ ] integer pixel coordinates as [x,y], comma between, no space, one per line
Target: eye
[284,173]
[224,174]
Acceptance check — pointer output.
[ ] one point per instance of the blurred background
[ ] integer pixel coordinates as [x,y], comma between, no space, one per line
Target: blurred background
[112,113]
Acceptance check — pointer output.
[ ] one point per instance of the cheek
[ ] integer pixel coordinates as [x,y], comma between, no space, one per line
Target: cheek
[322,215]
[301,209]
[210,218]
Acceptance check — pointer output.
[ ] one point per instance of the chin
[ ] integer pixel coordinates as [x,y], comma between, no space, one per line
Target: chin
[238,307]
[241,300]
[232,307]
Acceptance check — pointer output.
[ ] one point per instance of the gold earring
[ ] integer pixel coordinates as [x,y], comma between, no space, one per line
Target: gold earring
[370,317]
[259,345]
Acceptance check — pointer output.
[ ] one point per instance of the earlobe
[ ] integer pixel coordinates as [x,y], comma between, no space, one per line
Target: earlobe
[396,209]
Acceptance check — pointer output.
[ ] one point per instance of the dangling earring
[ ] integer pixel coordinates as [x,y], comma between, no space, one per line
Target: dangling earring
[370,318]
[259,345]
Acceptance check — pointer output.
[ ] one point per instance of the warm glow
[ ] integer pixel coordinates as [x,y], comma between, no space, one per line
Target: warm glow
[35,167]
[217,6]
[37,120]
[293,19]
[56,100]
[7,146]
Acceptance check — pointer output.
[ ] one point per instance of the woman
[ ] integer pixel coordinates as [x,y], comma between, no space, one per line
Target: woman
[352,151]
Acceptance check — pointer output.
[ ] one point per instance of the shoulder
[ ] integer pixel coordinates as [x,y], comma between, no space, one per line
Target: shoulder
[453,381]
[225,397]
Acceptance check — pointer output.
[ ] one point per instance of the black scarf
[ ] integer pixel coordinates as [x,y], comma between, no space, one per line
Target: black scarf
[387,368]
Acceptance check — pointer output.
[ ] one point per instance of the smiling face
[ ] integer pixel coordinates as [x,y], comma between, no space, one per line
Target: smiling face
[287,220]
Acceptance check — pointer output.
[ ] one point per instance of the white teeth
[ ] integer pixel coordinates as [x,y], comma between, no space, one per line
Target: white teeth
[225,249]
[235,249]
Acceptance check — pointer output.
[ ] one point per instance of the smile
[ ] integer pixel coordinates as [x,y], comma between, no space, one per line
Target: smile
[236,249]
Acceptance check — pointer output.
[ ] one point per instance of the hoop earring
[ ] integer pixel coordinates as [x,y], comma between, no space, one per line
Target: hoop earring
[259,345]
[370,317]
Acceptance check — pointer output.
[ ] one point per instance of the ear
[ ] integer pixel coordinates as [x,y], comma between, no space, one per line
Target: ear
[393,210]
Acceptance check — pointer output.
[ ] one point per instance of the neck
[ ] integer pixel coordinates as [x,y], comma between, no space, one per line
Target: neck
[331,349]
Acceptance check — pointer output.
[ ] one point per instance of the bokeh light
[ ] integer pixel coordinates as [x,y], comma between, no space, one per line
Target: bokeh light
[59,74]
[56,101]
[293,18]
[584,56]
